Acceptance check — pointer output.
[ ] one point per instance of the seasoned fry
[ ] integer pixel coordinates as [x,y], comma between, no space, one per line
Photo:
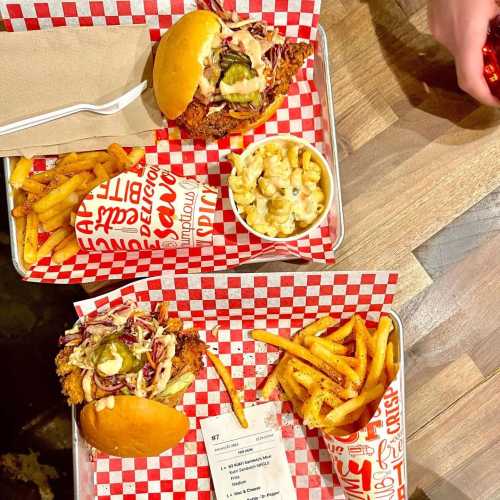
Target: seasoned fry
[68,158]
[289,392]
[20,222]
[97,156]
[76,166]
[312,408]
[65,242]
[72,218]
[44,177]
[60,219]
[101,172]
[343,332]
[31,238]
[360,327]
[337,362]
[136,155]
[362,356]
[20,172]
[117,152]
[338,430]
[50,243]
[390,366]
[340,412]
[32,186]
[109,166]
[312,329]
[293,348]
[333,347]
[377,366]
[228,382]
[71,248]
[321,379]
[299,391]
[58,194]
[70,201]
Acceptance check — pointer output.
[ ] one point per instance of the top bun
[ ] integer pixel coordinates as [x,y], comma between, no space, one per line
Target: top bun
[133,427]
[179,60]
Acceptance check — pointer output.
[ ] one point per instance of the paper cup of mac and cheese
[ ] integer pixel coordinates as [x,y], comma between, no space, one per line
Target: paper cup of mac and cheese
[280,188]
[147,208]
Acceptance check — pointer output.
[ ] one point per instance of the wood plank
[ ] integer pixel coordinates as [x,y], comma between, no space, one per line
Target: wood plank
[474,480]
[409,7]
[450,440]
[461,236]
[429,393]
[460,309]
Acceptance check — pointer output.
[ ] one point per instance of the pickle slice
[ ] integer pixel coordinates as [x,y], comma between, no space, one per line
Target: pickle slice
[235,73]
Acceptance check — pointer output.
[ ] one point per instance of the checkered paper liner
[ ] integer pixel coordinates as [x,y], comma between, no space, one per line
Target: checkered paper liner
[237,303]
[301,115]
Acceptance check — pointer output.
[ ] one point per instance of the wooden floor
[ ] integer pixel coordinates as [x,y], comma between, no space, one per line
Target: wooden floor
[420,163]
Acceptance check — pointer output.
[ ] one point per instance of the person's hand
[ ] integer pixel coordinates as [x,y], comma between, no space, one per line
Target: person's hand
[462,26]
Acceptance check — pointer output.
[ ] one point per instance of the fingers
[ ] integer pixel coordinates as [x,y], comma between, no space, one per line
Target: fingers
[470,77]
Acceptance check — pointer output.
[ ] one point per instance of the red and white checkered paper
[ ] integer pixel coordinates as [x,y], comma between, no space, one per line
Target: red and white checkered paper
[280,302]
[301,114]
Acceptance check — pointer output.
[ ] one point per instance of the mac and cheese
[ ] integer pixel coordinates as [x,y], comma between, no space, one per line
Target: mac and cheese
[277,189]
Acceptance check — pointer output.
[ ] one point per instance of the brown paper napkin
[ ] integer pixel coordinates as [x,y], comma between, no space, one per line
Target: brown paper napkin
[50,69]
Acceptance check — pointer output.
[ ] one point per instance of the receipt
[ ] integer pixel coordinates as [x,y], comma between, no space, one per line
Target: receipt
[248,464]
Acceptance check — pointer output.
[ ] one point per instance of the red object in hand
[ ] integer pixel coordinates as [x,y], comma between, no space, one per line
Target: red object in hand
[491,54]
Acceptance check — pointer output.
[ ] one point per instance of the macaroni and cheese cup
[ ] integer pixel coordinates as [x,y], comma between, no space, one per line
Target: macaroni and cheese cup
[325,183]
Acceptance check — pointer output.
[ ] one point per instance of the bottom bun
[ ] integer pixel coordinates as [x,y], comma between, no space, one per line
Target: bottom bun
[133,427]
[268,113]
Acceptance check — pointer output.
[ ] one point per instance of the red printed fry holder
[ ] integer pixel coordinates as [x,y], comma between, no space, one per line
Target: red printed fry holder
[238,303]
[306,112]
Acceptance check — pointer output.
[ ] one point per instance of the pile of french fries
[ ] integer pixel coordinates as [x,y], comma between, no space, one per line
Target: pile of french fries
[334,381]
[49,200]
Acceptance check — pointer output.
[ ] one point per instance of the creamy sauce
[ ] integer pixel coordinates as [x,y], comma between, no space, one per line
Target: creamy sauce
[87,385]
[107,402]
[243,86]
[251,47]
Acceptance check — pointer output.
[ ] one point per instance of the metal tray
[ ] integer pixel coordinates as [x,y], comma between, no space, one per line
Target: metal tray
[83,468]
[322,79]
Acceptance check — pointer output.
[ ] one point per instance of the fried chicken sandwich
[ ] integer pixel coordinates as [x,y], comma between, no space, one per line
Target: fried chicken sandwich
[130,368]
[216,73]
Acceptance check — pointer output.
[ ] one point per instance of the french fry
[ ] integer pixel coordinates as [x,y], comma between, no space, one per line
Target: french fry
[65,242]
[121,157]
[71,248]
[228,382]
[44,177]
[58,194]
[76,166]
[362,355]
[366,396]
[390,366]
[109,166]
[100,172]
[70,201]
[353,417]
[299,391]
[31,238]
[312,408]
[295,349]
[337,362]
[20,172]
[360,327]
[136,155]
[312,329]
[377,366]
[20,222]
[333,347]
[365,418]
[60,219]
[97,156]
[52,241]
[289,392]
[321,379]
[72,218]
[32,186]
[343,332]
[68,158]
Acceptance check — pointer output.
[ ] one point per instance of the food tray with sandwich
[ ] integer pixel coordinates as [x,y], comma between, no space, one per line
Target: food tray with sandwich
[236,81]
[324,348]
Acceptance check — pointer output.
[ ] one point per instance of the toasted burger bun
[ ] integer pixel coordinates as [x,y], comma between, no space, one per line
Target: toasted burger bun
[134,427]
[268,113]
[179,60]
